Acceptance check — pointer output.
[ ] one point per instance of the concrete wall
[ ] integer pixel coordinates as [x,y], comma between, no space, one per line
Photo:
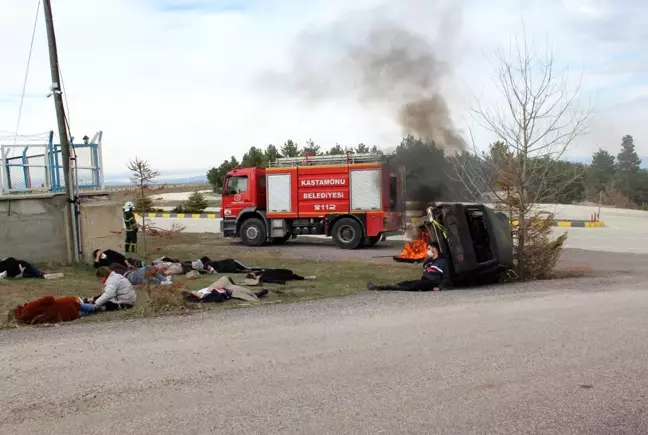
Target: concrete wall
[32,227]
[101,227]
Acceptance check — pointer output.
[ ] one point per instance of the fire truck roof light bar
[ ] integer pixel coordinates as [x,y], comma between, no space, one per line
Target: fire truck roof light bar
[342,159]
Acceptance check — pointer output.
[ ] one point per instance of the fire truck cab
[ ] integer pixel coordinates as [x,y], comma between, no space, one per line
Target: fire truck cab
[356,199]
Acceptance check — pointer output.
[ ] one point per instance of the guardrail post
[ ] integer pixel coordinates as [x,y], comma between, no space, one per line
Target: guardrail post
[25,168]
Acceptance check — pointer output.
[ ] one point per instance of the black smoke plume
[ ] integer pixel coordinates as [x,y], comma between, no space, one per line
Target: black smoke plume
[379,63]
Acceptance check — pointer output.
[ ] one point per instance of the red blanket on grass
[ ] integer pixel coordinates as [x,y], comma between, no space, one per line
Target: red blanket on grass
[49,310]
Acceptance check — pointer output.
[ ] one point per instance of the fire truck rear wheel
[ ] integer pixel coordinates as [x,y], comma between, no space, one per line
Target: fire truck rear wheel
[348,234]
[253,232]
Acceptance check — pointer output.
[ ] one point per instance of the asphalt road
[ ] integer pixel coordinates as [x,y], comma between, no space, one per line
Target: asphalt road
[559,357]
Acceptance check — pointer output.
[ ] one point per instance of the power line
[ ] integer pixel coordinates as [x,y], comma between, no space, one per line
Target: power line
[31,49]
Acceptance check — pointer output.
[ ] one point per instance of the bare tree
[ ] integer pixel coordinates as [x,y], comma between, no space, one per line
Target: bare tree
[142,176]
[536,123]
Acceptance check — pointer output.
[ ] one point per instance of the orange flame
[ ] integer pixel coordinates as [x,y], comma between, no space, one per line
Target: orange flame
[416,249]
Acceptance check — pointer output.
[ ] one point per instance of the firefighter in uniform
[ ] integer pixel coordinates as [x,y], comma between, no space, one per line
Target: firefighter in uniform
[130,222]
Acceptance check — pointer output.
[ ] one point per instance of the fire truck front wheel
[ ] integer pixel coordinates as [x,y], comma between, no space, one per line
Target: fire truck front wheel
[348,234]
[253,232]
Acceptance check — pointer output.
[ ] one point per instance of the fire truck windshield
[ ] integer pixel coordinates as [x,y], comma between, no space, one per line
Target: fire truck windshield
[236,184]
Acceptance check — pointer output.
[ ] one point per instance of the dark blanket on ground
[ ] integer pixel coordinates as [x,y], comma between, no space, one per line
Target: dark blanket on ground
[49,310]
[277,276]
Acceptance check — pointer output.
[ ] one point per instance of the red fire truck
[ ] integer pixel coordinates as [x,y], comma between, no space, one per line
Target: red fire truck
[356,198]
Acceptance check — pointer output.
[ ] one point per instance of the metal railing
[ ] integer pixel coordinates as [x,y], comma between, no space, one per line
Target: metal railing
[342,159]
[39,168]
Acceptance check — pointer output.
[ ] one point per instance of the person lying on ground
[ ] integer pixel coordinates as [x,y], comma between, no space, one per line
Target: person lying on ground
[108,257]
[148,273]
[198,266]
[171,266]
[434,272]
[141,275]
[170,269]
[52,310]
[118,292]
[206,265]
[12,268]
[227,265]
[273,276]
[222,290]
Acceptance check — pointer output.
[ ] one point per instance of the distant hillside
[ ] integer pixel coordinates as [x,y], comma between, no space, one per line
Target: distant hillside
[120,181]
[123,179]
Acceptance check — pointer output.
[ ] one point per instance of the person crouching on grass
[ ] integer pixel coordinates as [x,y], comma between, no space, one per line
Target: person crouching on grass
[434,268]
[118,292]
[109,257]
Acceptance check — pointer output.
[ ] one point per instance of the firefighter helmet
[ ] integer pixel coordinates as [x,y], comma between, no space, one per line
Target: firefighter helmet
[128,206]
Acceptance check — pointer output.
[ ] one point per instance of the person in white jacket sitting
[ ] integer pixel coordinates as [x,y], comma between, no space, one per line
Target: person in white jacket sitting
[118,292]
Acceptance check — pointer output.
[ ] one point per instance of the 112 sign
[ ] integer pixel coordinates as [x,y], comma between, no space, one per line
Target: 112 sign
[325,207]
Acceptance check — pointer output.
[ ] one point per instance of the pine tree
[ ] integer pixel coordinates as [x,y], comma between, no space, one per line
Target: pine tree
[362,149]
[337,150]
[197,203]
[628,163]
[290,149]
[600,173]
[254,158]
[143,204]
[216,176]
[272,154]
[312,148]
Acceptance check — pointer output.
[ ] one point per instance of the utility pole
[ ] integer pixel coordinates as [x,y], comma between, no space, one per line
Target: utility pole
[57,94]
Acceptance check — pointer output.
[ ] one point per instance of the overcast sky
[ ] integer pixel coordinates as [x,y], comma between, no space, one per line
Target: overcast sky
[182,83]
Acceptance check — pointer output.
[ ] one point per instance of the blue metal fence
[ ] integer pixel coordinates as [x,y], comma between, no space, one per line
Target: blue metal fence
[39,167]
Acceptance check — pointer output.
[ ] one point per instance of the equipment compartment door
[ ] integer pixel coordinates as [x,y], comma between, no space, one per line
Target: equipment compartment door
[366,189]
[279,194]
